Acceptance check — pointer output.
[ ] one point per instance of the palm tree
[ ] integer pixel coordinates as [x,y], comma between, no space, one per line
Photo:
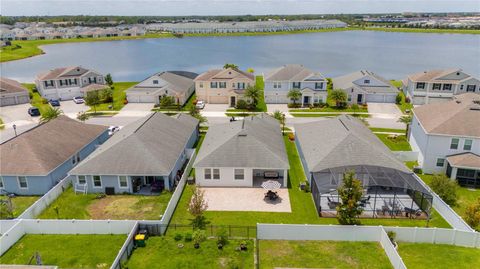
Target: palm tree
[50,114]
[194,112]
[294,94]
[253,93]
[280,116]
[251,70]
[338,96]
[233,66]
[407,119]
[82,116]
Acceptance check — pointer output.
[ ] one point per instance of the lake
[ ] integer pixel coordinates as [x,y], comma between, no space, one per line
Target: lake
[390,54]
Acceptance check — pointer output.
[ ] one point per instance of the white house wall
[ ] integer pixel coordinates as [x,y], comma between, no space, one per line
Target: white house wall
[226,178]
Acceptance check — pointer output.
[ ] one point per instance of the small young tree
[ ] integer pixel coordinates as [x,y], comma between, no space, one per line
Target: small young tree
[107,96]
[339,96]
[197,206]
[109,80]
[472,215]
[167,101]
[295,95]
[194,112]
[92,99]
[350,192]
[398,99]
[445,187]
[281,118]
[251,70]
[82,116]
[407,119]
[229,65]
[50,113]
[253,93]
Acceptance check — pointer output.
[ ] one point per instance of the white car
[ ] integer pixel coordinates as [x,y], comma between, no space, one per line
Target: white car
[200,104]
[113,129]
[78,100]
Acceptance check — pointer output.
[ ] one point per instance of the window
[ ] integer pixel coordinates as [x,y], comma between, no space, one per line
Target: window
[76,158]
[239,174]
[122,181]
[81,180]
[471,88]
[454,143]
[200,84]
[440,162]
[22,182]
[1,183]
[461,87]
[437,86]
[318,85]
[208,173]
[349,99]
[421,85]
[155,81]
[241,85]
[468,144]
[97,182]
[277,85]
[296,85]
[366,81]
[216,173]
[213,85]
[222,85]
[447,87]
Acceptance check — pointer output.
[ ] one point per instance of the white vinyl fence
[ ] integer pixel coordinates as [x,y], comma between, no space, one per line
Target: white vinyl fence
[5,225]
[391,251]
[42,203]
[10,237]
[436,236]
[126,250]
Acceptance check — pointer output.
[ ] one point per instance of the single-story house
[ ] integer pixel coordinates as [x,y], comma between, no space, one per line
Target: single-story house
[34,161]
[143,156]
[364,86]
[242,154]
[178,84]
[12,92]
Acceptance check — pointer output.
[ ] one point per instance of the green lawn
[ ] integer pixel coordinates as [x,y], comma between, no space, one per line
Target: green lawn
[314,115]
[426,256]
[422,30]
[163,252]
[303,209]
[321,254]
[330,109]
[403,106]
[387,130]
[37,99]
[395,143]
[20,203]
[66,251]
[119,97]
[87,206]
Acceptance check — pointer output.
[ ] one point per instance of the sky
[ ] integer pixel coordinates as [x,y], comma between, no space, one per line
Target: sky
[228,7]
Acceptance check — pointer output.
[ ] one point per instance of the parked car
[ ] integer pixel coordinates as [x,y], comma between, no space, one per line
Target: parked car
[78,100]
[33,111]
[200,104]
[113,129]
[54,102]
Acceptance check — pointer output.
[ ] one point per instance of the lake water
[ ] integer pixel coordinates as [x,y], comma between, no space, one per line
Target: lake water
[392,55]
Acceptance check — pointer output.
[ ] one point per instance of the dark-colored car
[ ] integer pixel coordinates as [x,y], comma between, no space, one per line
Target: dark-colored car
[33,111]
[54,102]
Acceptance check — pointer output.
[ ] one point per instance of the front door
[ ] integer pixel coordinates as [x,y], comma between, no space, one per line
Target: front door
[306,100]
[359,98]
[232,101]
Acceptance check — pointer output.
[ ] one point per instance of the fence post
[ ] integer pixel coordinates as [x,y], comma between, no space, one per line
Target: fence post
[434,235]
[415,235]
[454,236]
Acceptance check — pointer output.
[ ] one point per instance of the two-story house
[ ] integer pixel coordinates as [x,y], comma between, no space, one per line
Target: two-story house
[223,86]
[67,82]
[280,81]
[439,85]
[365,86]
[447,138]
[178,84]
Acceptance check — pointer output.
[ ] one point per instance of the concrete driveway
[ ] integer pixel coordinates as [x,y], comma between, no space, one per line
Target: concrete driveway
[130,113]
[280,107]
[385,115]
[18,115]
[215,108]
[384,108]
[71,109]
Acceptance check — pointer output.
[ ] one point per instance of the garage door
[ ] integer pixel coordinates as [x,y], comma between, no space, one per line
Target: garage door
[7,101]
[218,100]
[23,99]
[68,95]
[390,98]
[375,98]
[418,100]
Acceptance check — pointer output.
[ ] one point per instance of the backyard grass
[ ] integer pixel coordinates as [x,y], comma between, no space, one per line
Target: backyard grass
[404,106]
[387,130]
[20,203]
[119,97]
[395,142]
[163,252]
[426,256]
[87,206]
[37,99]
[321,254]
[66,251]
[303,209]
[315,115]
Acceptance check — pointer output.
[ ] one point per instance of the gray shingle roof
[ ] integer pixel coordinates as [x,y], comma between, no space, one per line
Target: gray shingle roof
[347,81]
[11,86]
[343,141]
[178,81]
[293,73]
[150,146]
[253,142]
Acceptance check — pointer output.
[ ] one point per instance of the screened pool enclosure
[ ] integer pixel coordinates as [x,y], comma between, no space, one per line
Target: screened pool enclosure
[388,193]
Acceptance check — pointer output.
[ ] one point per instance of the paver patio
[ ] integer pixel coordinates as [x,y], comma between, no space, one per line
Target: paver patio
[245,199]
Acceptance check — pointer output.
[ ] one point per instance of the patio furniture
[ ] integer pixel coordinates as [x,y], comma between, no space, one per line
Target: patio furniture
[271,195]
[332,204]
[157,186]
[271,174]
[410,212]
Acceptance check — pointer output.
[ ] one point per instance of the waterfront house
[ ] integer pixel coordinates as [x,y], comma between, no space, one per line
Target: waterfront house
[178,84]
[67,82]
[280,81]
[439,85]
[365,86]
[34,161]
[12,92]
[145,156]
[223,86]
[242,154]
[447,138]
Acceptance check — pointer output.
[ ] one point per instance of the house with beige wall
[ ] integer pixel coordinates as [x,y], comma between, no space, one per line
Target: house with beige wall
[223,86]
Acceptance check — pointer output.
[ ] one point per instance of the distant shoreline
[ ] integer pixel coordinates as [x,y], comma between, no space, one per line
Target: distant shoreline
[29,48]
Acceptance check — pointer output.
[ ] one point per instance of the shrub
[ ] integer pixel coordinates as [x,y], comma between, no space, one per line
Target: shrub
[292,105]
[391,236]
[222,236]
[242,104]
[34,89]
[291,136]
[398,99]
[188,237]
[178,237]
[472,214]
[446,188]
[407,100]
[44,101]
[198,236]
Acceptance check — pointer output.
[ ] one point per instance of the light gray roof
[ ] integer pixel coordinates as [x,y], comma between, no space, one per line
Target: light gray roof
[379,85]
[253,142]
[150,146]
[178,81]
[343,141]
[293,73]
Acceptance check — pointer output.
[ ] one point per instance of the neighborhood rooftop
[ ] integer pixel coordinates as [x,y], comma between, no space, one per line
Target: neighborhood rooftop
[150,146]
[253,142]
[10,86]
[434,75]
[62,72]
[293,73]
[178,81]
[46,146]
[380,85]
[223,74]
[460,116]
